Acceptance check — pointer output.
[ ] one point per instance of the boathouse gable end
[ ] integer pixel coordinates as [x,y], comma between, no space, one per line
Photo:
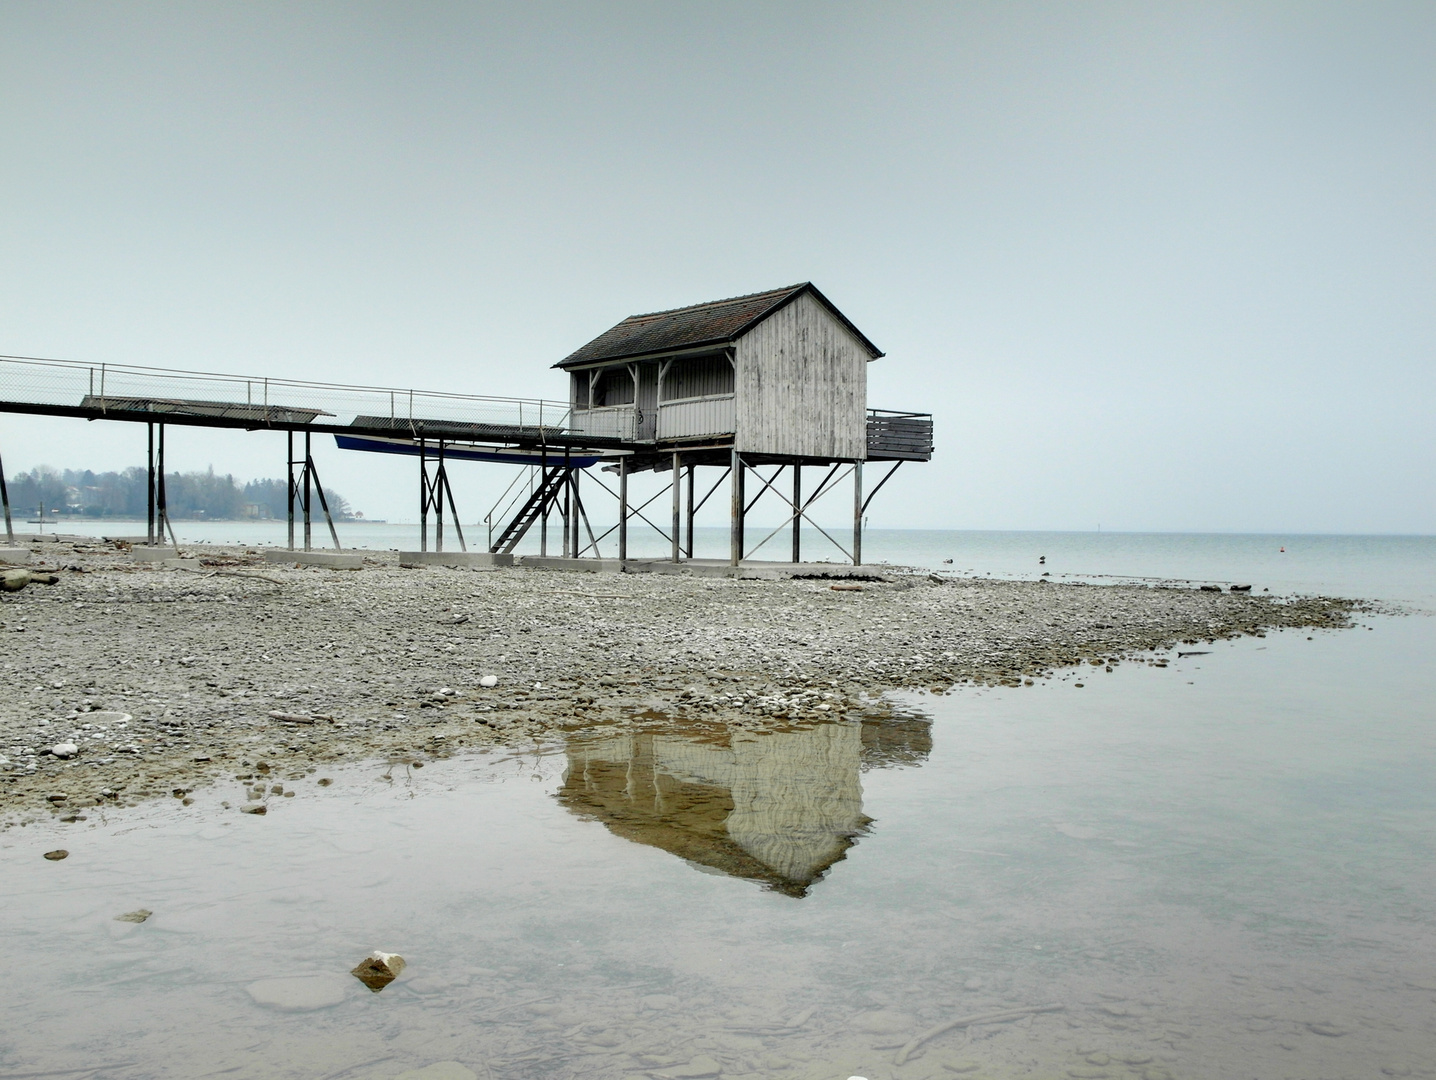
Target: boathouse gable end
[801,385]
[781,372]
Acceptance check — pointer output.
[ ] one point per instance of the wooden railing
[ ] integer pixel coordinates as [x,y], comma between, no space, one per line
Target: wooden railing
[899,436]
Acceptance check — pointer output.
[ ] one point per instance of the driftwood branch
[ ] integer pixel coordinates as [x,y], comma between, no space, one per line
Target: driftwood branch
[1002,1017]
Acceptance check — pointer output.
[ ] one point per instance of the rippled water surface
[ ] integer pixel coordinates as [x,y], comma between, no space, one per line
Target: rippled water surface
[1225,868]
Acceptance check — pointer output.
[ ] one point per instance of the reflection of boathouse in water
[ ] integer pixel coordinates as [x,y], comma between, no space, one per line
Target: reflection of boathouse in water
[773,807]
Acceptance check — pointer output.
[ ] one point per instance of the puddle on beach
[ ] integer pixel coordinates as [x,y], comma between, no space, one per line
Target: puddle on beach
[1219,869]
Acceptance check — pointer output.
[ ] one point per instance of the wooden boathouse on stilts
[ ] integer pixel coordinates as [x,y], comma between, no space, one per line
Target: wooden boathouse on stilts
[773,380]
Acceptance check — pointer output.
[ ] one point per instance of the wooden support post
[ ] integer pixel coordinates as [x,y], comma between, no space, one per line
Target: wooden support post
[150,494]
[289,502]
[797,516]
[307,492]
[423,496]
[623,508]
[544,508]
[574,517]
[567,500]
[436,496]
[735,524]
[162,516]
[5,500]
[689,548]
[677,506]
[857,513]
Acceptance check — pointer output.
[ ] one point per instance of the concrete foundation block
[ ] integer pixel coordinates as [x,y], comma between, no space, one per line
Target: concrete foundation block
[14,556]
[333,560]
[555,562]
[153,554]
[458,559]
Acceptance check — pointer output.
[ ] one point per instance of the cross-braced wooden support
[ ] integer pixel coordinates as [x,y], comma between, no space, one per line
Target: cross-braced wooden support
[432,493]
[301,490]
[157,517]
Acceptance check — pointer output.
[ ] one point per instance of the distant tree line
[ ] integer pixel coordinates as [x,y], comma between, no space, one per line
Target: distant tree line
[187,495]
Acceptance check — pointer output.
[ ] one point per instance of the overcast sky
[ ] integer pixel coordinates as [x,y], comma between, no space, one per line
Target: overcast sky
[1155,266]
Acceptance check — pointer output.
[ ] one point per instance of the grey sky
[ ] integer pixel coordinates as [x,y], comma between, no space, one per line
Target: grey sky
[1155,266]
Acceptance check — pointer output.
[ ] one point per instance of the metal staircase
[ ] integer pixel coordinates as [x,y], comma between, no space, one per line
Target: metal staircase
[538,501]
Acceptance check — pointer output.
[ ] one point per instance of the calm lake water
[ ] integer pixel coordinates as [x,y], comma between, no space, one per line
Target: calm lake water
[1225,868]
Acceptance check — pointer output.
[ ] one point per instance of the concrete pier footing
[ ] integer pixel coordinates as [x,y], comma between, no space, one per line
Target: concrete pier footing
[456,559]
[333,560]
[555,562]
[14,556]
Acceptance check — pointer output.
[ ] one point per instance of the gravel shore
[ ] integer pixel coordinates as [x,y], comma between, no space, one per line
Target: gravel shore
[164,677]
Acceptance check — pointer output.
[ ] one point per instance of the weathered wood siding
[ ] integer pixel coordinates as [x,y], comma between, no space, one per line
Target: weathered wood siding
[802,386]
[695,417]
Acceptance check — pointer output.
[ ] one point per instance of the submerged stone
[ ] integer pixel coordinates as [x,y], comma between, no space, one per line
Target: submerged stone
[299,993]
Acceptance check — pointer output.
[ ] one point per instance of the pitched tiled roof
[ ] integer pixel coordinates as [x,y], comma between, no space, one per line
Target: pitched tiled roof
[714,323]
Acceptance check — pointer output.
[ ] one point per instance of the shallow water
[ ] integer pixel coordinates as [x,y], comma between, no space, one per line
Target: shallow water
[1224,868]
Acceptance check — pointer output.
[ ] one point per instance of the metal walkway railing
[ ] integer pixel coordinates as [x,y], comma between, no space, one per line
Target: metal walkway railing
[128,392]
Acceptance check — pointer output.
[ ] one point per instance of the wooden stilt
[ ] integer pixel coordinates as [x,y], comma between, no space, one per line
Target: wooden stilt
[5,500]
[735,525]
[574,517]
[423,496]
[162,516]
[689,548]
[797,515]
[623,508]
[677,536]
[308,538]
[543,524]
[150,493]
[857,513]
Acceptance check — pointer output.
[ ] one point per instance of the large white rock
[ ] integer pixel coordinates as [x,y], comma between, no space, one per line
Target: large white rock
[64,749]
[489,680]
[300,993]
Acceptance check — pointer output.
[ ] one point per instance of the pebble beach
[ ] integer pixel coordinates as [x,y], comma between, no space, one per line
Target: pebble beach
[129,681]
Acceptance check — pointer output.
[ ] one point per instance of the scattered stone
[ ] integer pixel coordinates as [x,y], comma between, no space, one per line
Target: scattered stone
[1331,1031]
[379,969]
[57,854]
[489,681]
[64,749]
[257,808]
[139,915]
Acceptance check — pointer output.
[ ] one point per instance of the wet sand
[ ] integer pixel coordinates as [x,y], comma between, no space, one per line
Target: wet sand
[167,677]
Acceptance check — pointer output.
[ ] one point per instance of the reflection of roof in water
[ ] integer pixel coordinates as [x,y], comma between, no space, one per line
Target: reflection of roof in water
[779,807]
[898,740]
